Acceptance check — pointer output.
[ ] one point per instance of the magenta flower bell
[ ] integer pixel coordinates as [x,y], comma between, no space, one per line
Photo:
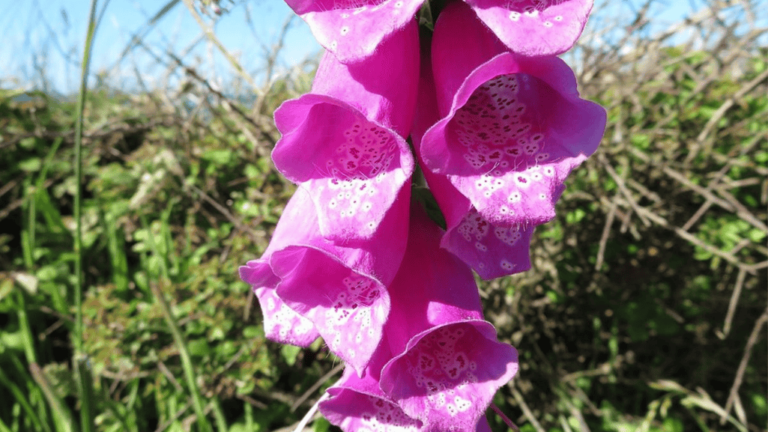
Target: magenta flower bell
[512,127]
[358,404]
[352,29]
[448,363]
[344,142]
[337,291]
[492,251]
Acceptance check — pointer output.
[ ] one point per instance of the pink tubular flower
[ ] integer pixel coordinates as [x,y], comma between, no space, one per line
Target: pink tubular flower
[358,404]
[352,29]
[306,282]
[491,251]
[344,141]
[449,364]
[512,127]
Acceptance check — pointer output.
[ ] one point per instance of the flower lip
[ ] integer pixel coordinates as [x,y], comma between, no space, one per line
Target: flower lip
[492,251]
[535,27]
[281,323]
[356,410]
[559,79]
[328,283]
[348,308]
[323,136]
[357,402]
[447,375]
[515,128]
[353,29]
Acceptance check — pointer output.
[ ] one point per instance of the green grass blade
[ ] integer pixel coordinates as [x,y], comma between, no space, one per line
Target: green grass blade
[29,238]
[3,427]
[117,255]
[249,425]
[85,390]
[35,395]
[47,163]
[26,406]
[61,416]
[26,330]
[85,382]
[218,414]
[79,179]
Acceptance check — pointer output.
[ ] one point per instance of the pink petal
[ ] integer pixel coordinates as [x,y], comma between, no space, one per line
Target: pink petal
[344,142]
[491,251]
[281,323]
[514,131]
[535,27]
[348,308]
[450,363]
[356,411]
[383,86]
[353,168]
[431,288]
[353,411]
[358,404]
[352,29]
[448,375]
[339,288]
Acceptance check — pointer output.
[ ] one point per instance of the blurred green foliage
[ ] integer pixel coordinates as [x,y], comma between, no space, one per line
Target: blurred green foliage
[176,200]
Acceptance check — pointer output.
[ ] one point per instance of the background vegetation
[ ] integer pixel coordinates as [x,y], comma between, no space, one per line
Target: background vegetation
[644,310]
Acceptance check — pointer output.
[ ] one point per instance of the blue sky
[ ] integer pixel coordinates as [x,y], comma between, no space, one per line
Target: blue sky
[50,33]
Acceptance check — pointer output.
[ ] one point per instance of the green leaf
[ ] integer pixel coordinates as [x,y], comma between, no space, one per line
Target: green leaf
[218,157]
[199,347]
[31,165]
[290,353]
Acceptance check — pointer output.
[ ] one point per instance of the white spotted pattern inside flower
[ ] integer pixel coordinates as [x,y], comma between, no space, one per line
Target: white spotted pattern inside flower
[475,230]
[283,321]
[354,8]
[350,319]
[360,165]
[502,143]
[531,7]
[441,364]
[387,417]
